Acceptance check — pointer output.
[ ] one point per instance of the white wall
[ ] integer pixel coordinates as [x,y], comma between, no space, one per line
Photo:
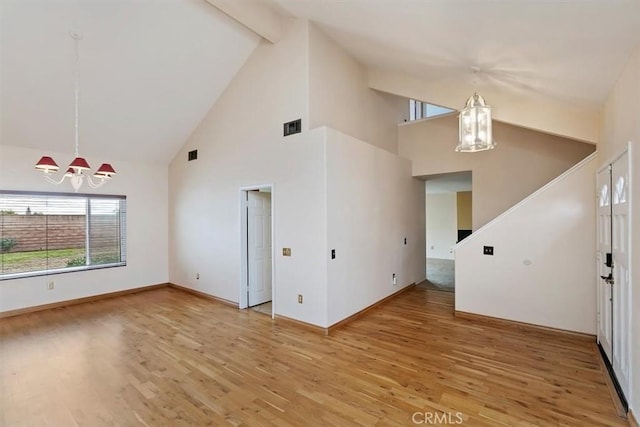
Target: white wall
[523,161]
[620,125]
[373,203]
[385,113]
[442,225]
[340,98]
[146,188]
[543,269]
[240,143]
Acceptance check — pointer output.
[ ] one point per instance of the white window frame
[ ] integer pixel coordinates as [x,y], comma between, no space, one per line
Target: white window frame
[88,266]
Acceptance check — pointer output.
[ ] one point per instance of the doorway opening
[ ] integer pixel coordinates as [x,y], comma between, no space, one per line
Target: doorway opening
[448,212]
[257,272]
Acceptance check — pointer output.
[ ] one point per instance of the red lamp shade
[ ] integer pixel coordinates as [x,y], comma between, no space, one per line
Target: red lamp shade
[105,171]
[79,163]
[69,172]
[47,164]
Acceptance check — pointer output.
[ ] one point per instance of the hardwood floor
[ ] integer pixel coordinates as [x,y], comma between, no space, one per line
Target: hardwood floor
[165,357]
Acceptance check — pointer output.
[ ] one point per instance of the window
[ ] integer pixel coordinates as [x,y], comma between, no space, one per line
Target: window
[45,233]
[421,110]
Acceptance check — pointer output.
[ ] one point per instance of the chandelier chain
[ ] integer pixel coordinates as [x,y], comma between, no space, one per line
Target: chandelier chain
[475,79]
[76,93]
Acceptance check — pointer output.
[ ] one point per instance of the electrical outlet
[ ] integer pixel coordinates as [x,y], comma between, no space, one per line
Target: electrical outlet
[197,276]
[51,285]
[487,250]
[405,240]
[286,251]
[299,298]
[333,254]
[393,279]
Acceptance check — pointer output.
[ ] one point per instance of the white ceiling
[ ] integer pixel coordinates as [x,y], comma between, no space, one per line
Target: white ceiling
[149,72]
[569,50]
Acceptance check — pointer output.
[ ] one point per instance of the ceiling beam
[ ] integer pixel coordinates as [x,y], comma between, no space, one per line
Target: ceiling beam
[256,15]
[524,109]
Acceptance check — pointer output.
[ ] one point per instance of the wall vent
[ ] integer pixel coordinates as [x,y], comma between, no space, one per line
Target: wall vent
[293,127]
[193,155]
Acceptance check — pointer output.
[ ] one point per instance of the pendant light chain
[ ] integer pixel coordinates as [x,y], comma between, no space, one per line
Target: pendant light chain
[77,91]
[475,79]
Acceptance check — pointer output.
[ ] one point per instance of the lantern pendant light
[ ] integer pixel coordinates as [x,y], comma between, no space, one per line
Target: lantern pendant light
[475,126]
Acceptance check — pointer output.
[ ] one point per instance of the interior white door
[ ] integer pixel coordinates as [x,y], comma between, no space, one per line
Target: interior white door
[259,247]
[620,197]
[603,270]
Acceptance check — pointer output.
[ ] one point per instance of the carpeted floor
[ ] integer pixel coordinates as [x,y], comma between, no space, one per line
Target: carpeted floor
[263,308]
[441,274]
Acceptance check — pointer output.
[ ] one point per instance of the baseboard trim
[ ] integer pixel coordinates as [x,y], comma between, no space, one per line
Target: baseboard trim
[631,418]
[354,316]
[300,324]
[92,298]
[203,295]
[522,325]
[278,319]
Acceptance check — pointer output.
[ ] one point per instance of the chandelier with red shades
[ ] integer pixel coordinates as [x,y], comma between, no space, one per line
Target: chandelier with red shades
[78,170]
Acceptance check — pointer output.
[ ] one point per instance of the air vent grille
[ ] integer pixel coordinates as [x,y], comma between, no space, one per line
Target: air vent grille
[293,127]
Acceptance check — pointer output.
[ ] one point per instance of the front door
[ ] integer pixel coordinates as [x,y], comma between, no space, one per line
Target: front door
[614,285]
[621,260]
[259,247]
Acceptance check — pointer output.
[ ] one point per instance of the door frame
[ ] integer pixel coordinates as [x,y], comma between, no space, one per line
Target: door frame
[244,236]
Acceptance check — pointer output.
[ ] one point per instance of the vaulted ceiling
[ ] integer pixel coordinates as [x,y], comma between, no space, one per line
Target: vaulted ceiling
[150,70]
[570,50]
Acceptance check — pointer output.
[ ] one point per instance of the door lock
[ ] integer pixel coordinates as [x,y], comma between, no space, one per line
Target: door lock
[608,279]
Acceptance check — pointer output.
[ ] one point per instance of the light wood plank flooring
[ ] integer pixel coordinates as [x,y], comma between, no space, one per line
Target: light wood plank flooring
[168,358]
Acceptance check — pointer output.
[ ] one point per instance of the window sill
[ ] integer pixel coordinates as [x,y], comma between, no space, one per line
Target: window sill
[25,275]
